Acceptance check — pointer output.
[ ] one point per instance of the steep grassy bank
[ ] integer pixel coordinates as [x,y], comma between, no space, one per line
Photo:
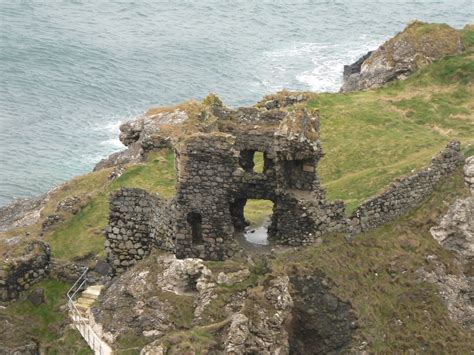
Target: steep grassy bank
[372,137]
[82,233]
[378,274]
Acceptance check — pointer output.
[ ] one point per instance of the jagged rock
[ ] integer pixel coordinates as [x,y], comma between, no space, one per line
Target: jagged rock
[456,291]
[469,173]
[141,135]
[36,297]
[155,348]
[181,276]
[416,46]
[456,230]
[136,293]
[21,213]
[456,233]
[262,330]
[237,334]
[233,277]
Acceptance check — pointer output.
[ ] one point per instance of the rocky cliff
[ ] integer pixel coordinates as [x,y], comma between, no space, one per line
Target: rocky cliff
[416,46]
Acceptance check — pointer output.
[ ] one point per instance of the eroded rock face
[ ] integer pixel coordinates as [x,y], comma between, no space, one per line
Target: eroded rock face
[21,213]
[322,323]
[141,135]
[146,300]
[262,330]
[456,233]
[140,301]
[418,45]
[469,173]
[456,230]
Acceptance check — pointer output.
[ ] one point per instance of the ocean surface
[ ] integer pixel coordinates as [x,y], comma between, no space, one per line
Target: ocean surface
[71,72]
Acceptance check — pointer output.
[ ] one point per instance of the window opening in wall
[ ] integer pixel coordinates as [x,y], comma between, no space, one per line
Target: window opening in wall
[252,161]
[258,162]
[195,222]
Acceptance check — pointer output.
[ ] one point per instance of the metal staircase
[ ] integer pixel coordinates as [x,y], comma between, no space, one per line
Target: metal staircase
[80,299]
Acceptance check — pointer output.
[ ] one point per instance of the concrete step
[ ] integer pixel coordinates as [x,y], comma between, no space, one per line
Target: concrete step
[89,296]
[85,301]
[82,307]
[92,291]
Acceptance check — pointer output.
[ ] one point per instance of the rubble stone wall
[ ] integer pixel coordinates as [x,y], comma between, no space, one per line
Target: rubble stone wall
[407,192]
[138,221]
[20,273]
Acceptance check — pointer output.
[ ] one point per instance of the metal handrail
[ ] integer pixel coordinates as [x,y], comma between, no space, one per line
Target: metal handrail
[77,318]
[82,277]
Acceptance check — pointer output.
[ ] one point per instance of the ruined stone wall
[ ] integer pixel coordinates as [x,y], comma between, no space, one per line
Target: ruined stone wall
[138,221]
[21,272]
[298,222]
[205,170]
[216,177]
[407,192]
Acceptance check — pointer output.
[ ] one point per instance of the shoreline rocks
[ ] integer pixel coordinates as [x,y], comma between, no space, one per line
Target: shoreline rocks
[417,45]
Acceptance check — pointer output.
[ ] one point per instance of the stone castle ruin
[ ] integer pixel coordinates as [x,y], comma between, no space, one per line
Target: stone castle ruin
[216,176]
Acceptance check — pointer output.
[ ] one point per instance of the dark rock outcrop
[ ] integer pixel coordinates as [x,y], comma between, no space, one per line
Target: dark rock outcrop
[36,297]
[321,322]
[416,46]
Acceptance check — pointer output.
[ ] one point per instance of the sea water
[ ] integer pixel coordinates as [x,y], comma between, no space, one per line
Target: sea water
[71,72]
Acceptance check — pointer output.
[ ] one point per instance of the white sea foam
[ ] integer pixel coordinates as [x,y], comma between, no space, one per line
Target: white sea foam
[329,63]
[112,143]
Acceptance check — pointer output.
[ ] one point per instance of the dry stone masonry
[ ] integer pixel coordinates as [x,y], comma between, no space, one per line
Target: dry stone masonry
[18,272]
[138,221]
[406,193]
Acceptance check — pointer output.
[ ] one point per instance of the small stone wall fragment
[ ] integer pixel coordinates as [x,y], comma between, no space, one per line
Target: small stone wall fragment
[20,272]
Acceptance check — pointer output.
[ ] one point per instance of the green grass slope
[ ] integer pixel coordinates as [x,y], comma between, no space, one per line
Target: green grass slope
[372,137]
[82,233]
[377,274]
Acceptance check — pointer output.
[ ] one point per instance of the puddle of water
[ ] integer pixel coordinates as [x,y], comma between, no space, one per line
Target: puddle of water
[255,239]
[257,235]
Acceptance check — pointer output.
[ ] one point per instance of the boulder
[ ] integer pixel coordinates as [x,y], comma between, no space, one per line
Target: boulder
[416,46]
[102,267]
[36,297]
